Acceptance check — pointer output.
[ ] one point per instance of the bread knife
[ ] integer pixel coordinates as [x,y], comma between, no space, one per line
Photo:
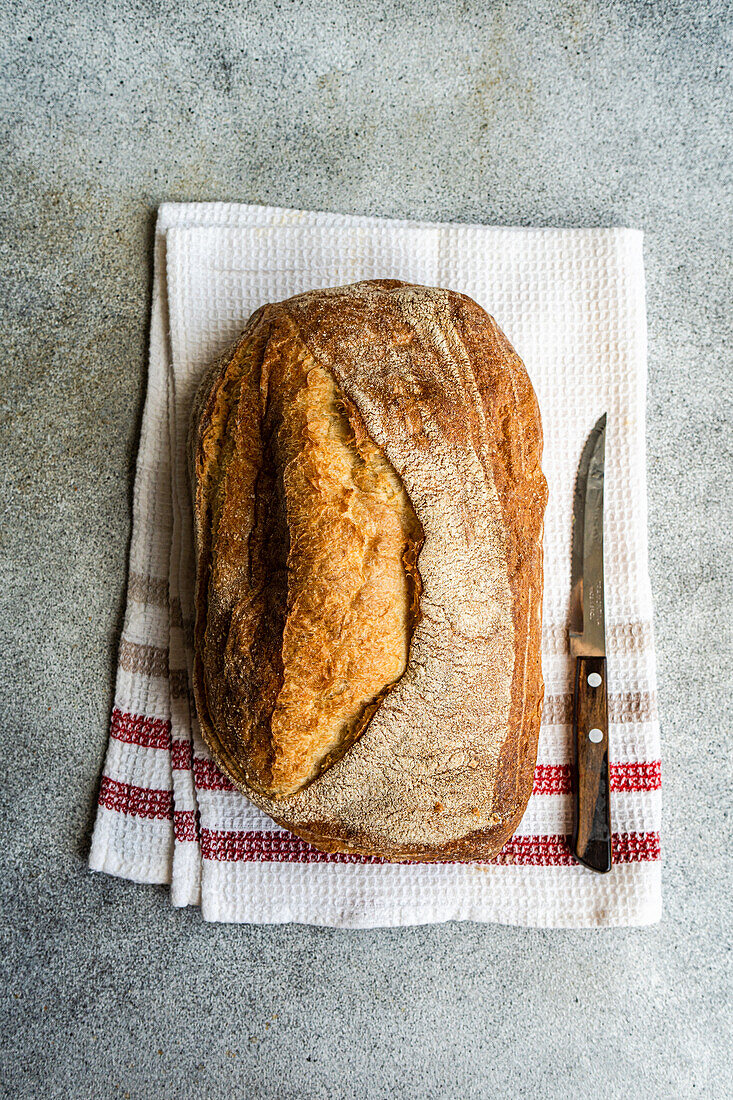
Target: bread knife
[592,824]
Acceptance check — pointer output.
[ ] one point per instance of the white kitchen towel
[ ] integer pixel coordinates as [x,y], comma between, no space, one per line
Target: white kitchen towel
[571,302]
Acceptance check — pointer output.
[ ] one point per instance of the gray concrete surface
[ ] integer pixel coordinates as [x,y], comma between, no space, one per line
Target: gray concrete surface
[572,113]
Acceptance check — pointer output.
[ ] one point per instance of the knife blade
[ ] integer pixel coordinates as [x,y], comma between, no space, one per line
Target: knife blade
[587,633]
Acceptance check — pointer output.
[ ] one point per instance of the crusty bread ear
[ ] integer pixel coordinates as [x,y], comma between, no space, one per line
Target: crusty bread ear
[309,544]
[369,695]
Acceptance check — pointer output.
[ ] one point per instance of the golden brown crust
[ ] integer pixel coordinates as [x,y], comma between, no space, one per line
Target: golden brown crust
[444,768]
[307,564]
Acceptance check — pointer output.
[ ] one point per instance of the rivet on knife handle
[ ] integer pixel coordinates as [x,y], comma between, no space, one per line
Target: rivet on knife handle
[592,837]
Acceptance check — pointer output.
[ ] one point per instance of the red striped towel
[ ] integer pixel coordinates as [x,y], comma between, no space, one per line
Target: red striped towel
[572,303]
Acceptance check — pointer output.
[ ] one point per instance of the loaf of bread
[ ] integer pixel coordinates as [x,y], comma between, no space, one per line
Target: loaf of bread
[368,506]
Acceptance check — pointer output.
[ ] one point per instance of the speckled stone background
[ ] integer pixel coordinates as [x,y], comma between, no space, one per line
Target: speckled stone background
[569,113]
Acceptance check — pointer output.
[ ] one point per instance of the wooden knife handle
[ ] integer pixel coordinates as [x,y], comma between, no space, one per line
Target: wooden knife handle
[592,836]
